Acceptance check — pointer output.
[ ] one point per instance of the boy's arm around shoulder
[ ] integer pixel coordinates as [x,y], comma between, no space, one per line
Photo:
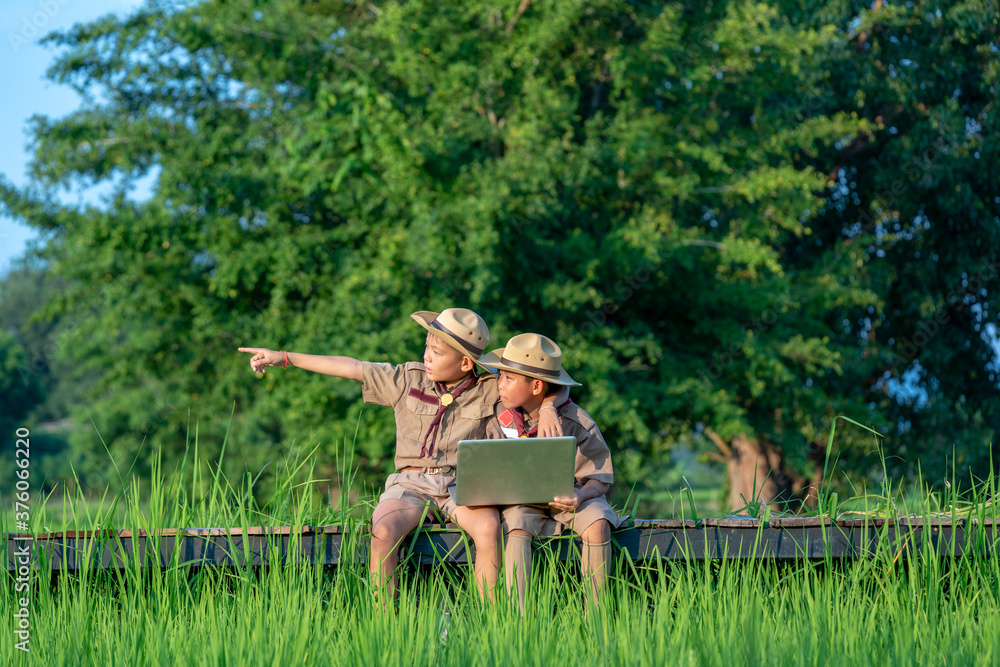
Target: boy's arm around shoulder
[549,425]
[342,367]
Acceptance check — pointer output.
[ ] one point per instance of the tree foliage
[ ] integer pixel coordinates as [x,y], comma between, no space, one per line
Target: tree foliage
[18,396]
[690,198]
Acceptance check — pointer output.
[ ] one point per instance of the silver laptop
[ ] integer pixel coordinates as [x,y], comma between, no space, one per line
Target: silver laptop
[514,471]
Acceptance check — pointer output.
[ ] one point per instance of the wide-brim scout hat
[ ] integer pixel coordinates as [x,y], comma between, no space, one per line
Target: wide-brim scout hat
[533,355]
[460,328]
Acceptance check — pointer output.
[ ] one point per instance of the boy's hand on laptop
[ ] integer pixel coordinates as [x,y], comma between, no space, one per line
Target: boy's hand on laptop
[592,489]
[570,504]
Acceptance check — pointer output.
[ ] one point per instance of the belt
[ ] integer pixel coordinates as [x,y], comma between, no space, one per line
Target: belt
[444,470]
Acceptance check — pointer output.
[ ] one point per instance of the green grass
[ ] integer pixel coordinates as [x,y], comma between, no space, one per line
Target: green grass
[723,613]
[880,610]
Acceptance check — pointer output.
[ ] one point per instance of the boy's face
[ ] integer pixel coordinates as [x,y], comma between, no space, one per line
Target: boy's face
[443,362]
[516,390]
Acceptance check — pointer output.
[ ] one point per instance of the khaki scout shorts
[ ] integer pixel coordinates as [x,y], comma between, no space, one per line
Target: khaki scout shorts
[422,489]
[538,521]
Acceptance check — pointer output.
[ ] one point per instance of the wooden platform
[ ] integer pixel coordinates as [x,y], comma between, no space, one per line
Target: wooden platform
[731,538]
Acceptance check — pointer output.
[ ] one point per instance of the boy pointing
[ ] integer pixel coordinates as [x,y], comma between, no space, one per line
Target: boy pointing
[436,403]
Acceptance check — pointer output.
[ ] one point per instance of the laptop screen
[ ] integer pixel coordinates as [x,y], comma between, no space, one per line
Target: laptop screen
[514,471]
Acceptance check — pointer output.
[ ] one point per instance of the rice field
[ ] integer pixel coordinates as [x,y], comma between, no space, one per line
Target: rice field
[881,610]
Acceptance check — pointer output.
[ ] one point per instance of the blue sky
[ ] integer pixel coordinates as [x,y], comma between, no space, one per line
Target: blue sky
[22,76]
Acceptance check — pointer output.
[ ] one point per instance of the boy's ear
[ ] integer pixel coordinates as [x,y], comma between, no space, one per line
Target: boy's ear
[538,387]
[467,364]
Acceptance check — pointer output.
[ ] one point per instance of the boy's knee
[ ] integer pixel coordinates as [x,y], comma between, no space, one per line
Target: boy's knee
[597,532]
[517,539]
[486,527]
[386,531]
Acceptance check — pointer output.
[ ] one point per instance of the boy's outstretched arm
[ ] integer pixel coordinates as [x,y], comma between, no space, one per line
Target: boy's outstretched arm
[342,367]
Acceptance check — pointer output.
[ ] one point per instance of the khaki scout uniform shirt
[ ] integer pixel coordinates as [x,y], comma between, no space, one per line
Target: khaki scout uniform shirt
[593,458]
[465,419]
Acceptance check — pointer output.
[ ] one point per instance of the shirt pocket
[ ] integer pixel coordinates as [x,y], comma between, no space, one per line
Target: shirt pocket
[471,423]
[415,419]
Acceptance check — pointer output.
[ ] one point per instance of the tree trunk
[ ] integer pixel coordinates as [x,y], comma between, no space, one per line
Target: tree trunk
[758,473]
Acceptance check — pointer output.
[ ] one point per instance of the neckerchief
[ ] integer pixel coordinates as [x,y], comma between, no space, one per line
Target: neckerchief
[435,428]
[515,418]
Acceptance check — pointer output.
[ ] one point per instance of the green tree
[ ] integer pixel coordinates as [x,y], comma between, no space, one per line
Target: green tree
[667,190]
[19,391]
[23,290]
[921,199]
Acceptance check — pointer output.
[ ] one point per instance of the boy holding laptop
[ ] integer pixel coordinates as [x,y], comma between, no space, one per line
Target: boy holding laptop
[437,403]
[528,365]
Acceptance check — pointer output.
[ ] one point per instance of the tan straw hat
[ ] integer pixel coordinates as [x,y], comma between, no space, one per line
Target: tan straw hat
[460,328]
[533,355]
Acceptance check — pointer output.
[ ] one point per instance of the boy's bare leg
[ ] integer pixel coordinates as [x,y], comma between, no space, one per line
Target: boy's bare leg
[517,563]
[594,559]
[392,521]
[483,526]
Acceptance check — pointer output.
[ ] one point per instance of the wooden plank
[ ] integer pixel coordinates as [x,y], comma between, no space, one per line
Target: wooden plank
[782,539]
